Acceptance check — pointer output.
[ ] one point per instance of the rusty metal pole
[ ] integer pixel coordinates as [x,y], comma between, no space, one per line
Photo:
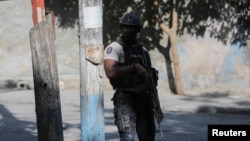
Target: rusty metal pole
[91,57]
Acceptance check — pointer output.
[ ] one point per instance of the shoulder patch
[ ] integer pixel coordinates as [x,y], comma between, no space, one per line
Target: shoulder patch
[109,50]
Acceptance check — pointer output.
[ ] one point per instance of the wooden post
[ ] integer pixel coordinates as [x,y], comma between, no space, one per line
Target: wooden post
[46,87]
[91,56]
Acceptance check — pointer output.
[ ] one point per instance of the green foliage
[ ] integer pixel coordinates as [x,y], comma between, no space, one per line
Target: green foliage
[66,12]
[226,20]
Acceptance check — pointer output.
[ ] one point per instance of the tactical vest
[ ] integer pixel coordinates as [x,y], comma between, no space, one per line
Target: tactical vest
[133,54]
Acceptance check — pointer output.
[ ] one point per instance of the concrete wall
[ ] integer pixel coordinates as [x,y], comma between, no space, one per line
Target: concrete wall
[204,61]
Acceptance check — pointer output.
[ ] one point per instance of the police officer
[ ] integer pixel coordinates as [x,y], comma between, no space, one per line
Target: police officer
[124,64]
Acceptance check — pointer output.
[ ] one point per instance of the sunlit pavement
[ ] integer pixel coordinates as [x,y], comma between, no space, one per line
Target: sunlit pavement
[186,117]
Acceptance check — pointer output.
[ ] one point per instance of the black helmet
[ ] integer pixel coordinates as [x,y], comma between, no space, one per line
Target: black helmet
[131,20]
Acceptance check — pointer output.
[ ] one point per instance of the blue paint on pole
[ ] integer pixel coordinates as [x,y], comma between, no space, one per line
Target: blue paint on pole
[92,117]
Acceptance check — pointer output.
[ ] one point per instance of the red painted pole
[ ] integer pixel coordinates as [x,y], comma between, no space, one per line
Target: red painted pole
[38,11]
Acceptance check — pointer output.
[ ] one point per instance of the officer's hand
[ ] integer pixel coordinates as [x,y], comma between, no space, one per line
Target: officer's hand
[141,71]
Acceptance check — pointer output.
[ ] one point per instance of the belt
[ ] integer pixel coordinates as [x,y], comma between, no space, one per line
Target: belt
[137,89]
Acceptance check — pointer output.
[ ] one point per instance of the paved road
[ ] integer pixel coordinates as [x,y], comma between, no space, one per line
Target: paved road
[186,117]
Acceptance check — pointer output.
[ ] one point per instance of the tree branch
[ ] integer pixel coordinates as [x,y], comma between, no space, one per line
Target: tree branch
[165,28]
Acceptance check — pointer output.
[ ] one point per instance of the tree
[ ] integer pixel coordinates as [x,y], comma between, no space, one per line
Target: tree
[171,32]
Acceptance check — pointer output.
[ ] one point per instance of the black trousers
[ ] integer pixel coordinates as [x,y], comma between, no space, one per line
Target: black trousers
[134,116]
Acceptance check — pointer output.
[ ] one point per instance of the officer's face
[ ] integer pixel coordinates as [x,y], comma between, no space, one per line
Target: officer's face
[129,32]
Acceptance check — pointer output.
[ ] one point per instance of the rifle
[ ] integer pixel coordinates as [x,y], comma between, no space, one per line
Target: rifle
[152,84]
[154,96]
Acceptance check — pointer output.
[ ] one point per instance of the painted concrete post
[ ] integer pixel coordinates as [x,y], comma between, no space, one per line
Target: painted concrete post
[91,57]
